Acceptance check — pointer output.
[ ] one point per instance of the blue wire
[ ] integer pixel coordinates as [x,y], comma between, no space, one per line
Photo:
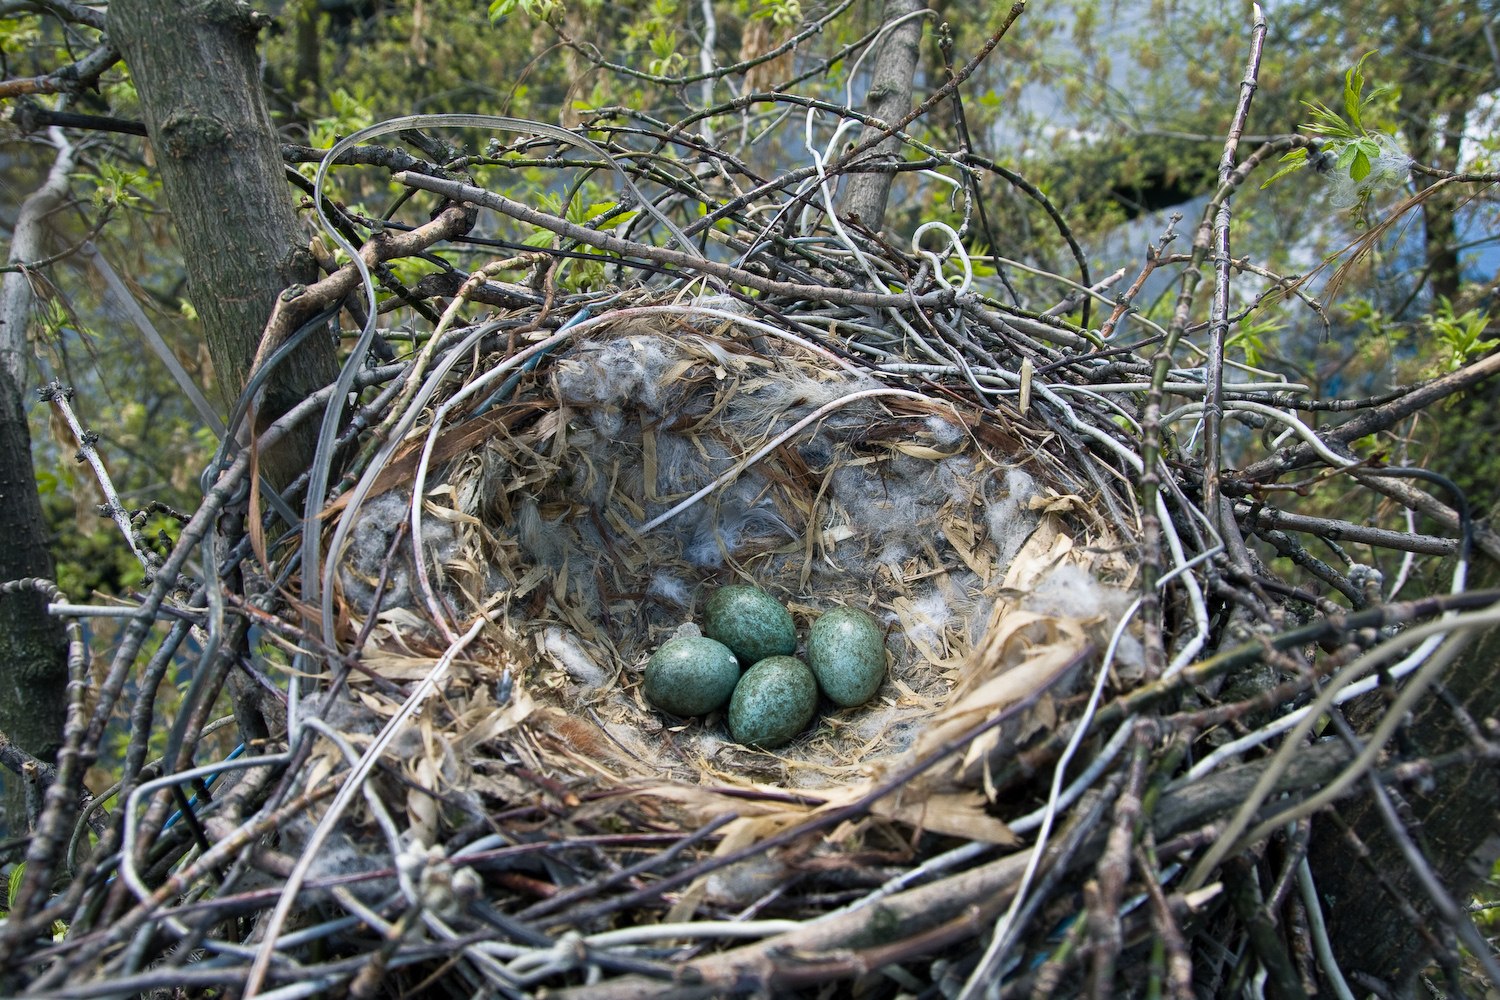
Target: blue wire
[509,385]
[207,783]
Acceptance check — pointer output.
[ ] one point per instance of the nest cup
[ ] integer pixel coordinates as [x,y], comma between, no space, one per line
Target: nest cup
[575,522]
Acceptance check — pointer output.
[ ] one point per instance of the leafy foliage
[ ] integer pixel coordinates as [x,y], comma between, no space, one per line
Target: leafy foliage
[1371,159]
[1459,337]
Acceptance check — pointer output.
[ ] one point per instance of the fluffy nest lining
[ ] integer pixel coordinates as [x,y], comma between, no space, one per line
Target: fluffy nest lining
[589,513]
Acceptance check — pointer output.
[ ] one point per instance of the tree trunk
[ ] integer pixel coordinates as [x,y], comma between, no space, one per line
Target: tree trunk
[33,653]
[889,98]
[195,68]
[307,77]
[1439,147]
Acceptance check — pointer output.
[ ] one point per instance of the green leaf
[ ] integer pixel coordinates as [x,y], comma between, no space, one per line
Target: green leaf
[1326,122]
[13,888]
[1294,161]
[593,211]
[1354,84]
[1359,168]
[1354,89]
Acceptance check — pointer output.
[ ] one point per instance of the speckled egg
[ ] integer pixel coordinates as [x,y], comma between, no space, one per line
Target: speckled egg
[751,622]
[691,676]
[846,651]
[775,701]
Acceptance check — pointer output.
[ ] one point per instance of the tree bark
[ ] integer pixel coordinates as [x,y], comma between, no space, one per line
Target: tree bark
[33,651]
[1439,213]
[866,194]
[195,68]
[307,76]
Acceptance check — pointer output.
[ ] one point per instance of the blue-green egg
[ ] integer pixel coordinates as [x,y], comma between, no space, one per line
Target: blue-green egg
[691,675]
[846,651]
[751,622]
[775,701]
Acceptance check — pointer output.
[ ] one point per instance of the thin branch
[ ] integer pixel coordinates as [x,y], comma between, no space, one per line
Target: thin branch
[75,78]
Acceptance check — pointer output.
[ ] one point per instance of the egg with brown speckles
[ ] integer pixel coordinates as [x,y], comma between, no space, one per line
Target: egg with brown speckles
[751,622]
[691,675]
[846,651]
[775,701]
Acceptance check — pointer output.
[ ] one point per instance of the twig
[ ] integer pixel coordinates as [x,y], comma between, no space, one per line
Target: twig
[662,255]
[1218,329]
[61,399]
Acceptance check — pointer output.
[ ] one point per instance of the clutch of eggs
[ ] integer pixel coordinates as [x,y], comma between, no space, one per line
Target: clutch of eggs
[773,701]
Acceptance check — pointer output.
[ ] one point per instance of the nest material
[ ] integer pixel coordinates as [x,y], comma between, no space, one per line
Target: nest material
[476,793]
[950,524]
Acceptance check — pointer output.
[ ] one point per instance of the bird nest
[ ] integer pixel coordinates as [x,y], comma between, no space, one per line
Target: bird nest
[448,772]
[657,456]
[582,513]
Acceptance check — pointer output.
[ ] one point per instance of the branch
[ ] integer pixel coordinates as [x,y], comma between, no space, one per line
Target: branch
[808,30]
[296,304]
[865,194]
[1213,409]
[661,255]
[1337,530]
[377,156]
[61,400]
[29,116]
[1461,177]
[1378,419]
[17,761]
[866,143]
[778,961]
[16,296]
[73,78]
[67,10]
